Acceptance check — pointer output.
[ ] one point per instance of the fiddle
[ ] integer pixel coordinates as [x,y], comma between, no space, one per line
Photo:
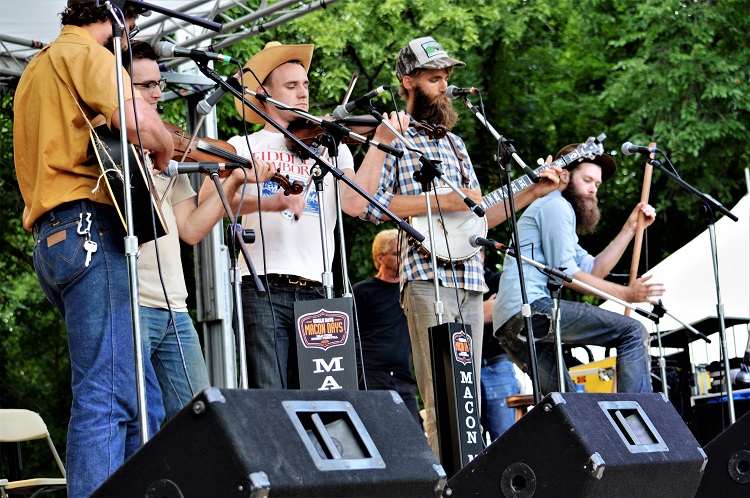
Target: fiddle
[313,134]
[214,150]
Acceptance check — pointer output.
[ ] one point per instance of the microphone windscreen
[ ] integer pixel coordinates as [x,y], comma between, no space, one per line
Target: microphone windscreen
[164,49]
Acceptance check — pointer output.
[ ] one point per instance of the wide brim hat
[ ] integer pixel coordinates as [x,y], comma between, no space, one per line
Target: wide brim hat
[604,161]
[423,53]
[260,66]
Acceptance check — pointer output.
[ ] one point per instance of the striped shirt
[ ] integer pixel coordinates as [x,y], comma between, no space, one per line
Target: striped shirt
[398,178]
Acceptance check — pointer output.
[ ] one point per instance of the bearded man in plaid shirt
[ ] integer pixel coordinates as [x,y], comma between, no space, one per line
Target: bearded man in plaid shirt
[423,68]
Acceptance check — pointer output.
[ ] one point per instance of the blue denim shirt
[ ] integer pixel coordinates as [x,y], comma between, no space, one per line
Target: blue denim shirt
[547,231]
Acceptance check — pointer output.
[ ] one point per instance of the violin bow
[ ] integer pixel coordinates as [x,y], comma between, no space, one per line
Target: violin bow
[638,240]
[352,82]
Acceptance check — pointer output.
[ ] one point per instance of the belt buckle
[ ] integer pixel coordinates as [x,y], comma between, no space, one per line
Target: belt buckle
[294,282]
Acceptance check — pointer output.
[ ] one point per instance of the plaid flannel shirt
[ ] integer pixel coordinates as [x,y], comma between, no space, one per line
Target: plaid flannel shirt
[397,178]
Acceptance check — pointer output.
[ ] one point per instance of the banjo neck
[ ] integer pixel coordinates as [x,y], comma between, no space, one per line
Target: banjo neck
[591,147]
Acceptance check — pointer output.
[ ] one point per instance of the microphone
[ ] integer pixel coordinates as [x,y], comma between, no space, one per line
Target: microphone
[453,92]
[165,49]
[176,168]
[478,241]
[628,149]
[204,106]
[344,110]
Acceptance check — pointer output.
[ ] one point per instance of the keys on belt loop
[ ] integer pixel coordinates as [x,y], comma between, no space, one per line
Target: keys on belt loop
[89,245]
[81,230]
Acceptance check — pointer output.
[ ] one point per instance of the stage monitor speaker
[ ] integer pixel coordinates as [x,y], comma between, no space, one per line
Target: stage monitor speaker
[259,443]
[588,445]
[728,470]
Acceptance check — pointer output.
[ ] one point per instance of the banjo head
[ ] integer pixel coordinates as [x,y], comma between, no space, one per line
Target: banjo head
[452,232]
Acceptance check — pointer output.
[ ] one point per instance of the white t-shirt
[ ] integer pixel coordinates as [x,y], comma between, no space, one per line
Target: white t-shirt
[292,247]
[149,285]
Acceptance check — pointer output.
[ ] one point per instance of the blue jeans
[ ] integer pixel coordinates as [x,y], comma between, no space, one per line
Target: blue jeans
[498,382]
[167,346]
[270,337]
[95,303]
[419,299]
[581,323]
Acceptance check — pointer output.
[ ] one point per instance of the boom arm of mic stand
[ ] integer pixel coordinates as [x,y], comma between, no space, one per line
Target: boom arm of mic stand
[660,310]
[504,143]
[198,21]
[428,163]
[336,172]
[567,278]
[707,199]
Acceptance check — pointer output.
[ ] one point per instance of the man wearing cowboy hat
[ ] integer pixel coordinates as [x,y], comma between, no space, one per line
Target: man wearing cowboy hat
[79,255]
[289,249]
[548,233]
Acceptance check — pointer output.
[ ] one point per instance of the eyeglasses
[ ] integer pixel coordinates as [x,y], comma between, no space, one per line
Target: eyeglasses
[133,31]
[150,86]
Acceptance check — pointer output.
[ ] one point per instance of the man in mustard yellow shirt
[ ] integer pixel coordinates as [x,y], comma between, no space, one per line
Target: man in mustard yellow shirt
[79,253]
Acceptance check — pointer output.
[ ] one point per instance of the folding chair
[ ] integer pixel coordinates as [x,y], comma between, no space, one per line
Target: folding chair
[17,425]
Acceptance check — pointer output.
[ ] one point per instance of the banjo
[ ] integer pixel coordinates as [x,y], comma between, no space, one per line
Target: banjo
[455,228]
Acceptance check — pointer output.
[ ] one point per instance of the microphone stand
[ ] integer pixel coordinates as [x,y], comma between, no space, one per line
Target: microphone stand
[659,310]
[115,10]
[506,152]
[131,240]
[710,205]
[554,284]
[236,236]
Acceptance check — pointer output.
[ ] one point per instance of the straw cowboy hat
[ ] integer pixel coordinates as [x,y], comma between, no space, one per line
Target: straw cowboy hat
[261,64]
[604,161]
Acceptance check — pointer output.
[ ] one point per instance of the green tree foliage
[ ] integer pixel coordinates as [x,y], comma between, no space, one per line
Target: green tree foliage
[551,73]
[34,364]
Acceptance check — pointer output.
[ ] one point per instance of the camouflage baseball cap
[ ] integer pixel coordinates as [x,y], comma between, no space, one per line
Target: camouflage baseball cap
[423,53]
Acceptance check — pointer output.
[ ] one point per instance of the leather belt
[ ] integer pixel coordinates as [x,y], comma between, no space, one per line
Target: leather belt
[279,279]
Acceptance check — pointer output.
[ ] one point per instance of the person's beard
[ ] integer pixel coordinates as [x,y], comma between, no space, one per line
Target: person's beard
[585,208]
[433,111]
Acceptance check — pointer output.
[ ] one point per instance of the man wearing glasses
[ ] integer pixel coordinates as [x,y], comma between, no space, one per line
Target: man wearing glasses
[168,333]
[79,254]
